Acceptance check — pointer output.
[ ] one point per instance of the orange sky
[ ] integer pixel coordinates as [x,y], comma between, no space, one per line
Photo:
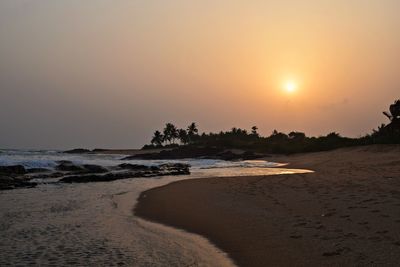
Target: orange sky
[107,73]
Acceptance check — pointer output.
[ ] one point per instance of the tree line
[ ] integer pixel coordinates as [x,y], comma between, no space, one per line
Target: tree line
[277,142]
[171,134]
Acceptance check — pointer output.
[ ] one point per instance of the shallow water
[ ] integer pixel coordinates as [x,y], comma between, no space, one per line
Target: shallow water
[93,225]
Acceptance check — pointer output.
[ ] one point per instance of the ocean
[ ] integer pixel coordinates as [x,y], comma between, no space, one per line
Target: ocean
[92,224]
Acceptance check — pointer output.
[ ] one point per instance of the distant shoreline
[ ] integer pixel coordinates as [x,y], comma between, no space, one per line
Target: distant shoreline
[344,214]
[128,152]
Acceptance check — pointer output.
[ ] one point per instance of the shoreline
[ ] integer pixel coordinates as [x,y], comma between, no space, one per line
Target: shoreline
[344,214]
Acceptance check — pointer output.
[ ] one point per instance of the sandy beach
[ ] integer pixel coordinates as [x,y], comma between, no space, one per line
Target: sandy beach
[346,213]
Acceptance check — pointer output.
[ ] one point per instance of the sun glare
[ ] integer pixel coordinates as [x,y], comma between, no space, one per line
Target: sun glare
[290,86]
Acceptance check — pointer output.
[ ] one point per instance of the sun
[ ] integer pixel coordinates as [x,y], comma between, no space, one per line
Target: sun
[290,86]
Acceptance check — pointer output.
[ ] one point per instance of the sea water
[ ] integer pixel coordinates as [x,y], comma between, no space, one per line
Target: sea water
[93,224]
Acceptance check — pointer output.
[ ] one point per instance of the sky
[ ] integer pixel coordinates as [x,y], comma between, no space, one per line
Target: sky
[106,73]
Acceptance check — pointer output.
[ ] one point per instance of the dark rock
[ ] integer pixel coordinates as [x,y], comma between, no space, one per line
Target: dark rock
[77,151]
[154,168]
[37,170]
[68,166]
[91,168]
[133,166]
[47,175]
[7,183]
[162,170]
[196,152]
[180,153]
[12,170]
[174,166]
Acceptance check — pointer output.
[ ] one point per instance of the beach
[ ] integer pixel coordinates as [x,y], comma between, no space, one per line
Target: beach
[53,223]
[345,213]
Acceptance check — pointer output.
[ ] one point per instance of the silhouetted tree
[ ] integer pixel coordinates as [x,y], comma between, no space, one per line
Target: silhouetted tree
[298,136]
[254,130]
[380,130]
[157,139]
[278,136]
[183,136]
[192,132]
[170,133]
[277,142]
[333,135]
[394,111]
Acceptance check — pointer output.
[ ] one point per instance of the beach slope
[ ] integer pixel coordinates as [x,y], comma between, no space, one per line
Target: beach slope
[347,213]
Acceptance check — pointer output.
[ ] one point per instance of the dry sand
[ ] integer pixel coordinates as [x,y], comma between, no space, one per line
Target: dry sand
[347,213]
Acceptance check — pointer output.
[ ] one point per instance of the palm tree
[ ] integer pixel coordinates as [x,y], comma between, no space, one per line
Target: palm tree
[192,131]
[254,130]
[170,133]
[183,136]
[157,139]
[394,111]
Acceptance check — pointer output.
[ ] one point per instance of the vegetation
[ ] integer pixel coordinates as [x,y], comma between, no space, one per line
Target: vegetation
[277,142]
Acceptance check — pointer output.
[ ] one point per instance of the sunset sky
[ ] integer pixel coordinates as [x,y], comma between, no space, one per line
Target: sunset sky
[99,73]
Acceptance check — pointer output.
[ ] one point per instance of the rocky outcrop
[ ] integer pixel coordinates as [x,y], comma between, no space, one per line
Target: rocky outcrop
[7,182]
[135,167]
[179,153]
[134,171]
[69,166]
[12,170]
[131,171]
[68,172]
[197,152]
[91,168]
[37,170]
[14,177]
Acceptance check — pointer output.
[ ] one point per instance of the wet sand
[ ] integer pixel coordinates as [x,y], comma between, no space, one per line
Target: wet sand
[347,213]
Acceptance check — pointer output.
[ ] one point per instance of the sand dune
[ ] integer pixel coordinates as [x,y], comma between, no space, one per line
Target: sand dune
[347,213]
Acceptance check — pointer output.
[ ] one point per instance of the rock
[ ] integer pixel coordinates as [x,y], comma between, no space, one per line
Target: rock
[12,170]
[133,166]
[68,166]
[47,175]
[77,151]
[7,183]
[37,170]
[162,170]
[174,166]
[179,153]
[91,168]
[196,152]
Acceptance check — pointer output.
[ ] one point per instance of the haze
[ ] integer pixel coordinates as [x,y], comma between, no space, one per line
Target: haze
[108,73]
